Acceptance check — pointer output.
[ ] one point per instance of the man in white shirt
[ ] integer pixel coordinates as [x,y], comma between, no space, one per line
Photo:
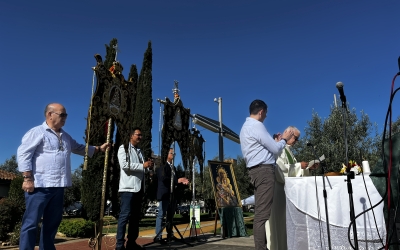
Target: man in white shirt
[131,190]
[44,159]
[259,150]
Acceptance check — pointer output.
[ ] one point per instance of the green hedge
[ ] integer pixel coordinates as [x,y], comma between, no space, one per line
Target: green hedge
[76,228]
[12,208]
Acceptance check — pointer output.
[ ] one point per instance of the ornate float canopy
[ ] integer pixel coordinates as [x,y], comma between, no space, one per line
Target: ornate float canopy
[113,98]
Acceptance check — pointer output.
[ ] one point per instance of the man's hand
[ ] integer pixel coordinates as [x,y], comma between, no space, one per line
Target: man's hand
[148,164]
[183,180]
[315,166]
[304,164]
[28,185]
[287,134]
[104,147]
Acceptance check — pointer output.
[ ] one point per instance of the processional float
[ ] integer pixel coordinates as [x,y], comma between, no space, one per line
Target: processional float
[176,129]
[112,103]
[190,141]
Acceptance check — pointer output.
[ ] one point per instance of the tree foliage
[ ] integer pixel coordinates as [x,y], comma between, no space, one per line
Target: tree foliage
[327,136]
[73,193]
[144,101]
[12,208]
[396,126]
[10,165]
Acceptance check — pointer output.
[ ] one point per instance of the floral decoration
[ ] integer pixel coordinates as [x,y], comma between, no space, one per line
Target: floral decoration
[352,166]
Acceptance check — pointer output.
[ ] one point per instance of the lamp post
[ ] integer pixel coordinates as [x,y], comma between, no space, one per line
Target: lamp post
[221,131]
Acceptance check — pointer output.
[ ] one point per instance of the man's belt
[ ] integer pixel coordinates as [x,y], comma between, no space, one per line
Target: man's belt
[260,166]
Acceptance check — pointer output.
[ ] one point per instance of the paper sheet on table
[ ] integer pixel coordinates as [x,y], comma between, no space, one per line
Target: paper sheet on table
[312,162]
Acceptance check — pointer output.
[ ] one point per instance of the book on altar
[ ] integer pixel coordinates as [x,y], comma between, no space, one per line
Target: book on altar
[312,162]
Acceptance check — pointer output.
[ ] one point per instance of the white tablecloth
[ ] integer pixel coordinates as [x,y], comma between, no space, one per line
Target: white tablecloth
[304,224]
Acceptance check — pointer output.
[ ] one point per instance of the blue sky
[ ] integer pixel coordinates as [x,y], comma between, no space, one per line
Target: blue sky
[288,53]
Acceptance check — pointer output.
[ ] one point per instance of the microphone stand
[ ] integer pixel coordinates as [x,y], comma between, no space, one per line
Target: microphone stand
[193,222]
[325,198]
[350,175]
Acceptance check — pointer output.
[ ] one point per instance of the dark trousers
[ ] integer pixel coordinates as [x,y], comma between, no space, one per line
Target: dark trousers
[131,204]
[46,202]
[263,179]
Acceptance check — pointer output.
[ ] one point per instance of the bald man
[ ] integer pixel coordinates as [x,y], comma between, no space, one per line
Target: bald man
[44,161]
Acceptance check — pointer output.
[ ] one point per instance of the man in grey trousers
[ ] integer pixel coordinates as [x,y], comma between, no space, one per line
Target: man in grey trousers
[259,150]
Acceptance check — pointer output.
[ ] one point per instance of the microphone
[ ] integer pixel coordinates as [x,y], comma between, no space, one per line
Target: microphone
[309,144]
[339,86]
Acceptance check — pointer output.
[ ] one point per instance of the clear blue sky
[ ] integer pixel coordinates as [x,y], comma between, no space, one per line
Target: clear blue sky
[288,53]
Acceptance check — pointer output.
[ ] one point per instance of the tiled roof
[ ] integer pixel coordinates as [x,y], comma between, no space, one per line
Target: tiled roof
[7,175]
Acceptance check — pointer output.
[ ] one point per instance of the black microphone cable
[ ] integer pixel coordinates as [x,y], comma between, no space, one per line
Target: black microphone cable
[388,178]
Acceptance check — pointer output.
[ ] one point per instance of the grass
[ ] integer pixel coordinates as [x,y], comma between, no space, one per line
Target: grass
[110,223]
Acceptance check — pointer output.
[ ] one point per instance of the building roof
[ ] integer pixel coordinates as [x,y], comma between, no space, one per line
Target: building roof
[5,175]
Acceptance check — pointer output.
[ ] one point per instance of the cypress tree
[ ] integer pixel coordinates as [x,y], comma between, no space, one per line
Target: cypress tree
[133,77]
[144,101]
[143,117]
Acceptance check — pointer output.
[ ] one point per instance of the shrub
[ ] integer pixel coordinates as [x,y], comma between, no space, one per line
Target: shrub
[15,235]
[10,215]
[12,208]
[16,194]
[76,228]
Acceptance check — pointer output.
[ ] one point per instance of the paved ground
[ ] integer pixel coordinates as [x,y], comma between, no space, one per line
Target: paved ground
[204,240]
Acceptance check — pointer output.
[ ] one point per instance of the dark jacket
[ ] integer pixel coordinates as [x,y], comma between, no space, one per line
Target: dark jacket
[164,182]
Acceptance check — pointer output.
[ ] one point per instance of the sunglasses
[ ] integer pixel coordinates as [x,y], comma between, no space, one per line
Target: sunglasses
[62,115]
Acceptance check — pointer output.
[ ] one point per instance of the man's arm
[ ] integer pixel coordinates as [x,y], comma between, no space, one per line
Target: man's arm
[26,150]
[292,170]
[266,140]
[25,153]
[135,165]
[79,149]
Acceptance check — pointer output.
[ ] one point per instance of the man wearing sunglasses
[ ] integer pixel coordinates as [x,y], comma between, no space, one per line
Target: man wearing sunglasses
[44,160]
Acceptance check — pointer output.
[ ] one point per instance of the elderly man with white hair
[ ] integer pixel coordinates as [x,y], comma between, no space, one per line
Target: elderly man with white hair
[288,167]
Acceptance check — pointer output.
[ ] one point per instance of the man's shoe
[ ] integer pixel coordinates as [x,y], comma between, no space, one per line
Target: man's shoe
[135,247]
[173,238]
[161,241]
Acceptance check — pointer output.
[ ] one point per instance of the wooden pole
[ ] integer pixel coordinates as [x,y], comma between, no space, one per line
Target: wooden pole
[103,188]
